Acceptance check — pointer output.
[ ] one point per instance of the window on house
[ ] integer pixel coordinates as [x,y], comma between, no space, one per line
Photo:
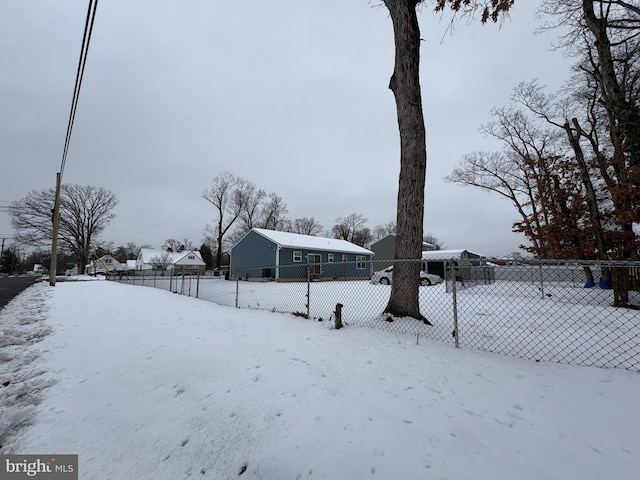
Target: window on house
[344,257]
[360,262]
[192,257]
[330,257]
[297,256]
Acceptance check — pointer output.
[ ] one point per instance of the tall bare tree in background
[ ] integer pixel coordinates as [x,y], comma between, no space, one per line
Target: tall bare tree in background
[252,199]
[85,211]
[226,197]
[381,231]
[273,213]
[405,85]
[306,226]
[352,229]
[175,245]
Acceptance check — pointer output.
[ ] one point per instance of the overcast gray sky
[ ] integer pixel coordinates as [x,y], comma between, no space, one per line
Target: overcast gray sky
[291,95]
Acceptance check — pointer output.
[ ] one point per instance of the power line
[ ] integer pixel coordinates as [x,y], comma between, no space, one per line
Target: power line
[84,50]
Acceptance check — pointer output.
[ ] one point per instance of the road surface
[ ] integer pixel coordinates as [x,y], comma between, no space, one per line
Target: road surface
[12,286]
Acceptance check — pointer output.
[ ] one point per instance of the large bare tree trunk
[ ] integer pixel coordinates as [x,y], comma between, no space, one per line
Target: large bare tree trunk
[405,85]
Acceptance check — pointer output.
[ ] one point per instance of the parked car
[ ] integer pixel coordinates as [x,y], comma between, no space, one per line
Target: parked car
[385,277]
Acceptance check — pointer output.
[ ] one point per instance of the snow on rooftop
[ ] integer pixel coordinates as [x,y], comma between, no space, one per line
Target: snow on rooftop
[447,254]
[150,253]
[296,240]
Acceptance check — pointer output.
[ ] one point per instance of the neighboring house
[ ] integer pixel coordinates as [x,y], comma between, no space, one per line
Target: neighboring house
[384,250]
[105,264]
[130,265]
[436,262]
[283,256]
[187,261]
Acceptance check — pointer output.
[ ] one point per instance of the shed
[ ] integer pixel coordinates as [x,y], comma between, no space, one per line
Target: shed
[282,256]
[469,265]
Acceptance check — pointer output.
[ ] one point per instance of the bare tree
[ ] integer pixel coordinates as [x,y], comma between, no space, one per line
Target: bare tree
[161,262]
[252,199]
[225,195]
[345,228]
[188,244]
[362,237]
[604,33]
[273,214]
[306,226]
[432,240]
[85,211]
[381,231]
[405,85]
[174,245]
[534,173]
[131,250]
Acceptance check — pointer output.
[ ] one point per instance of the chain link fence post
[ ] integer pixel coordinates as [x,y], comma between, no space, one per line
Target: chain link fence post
[308,289]
[237,287]
[454,297]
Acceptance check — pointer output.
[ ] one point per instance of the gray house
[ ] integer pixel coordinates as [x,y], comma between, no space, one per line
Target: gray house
[282,256]
[384,251]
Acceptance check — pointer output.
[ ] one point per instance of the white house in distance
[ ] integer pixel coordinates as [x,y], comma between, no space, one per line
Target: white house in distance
[104,264]
[187,261]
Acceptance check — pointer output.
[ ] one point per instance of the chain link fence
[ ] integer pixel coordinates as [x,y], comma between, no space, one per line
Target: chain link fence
[542,311]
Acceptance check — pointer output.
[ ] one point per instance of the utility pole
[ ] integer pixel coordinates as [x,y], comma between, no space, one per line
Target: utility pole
[56,225]
[2,249]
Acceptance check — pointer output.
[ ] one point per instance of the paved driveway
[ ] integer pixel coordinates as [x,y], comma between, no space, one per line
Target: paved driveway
[12,286]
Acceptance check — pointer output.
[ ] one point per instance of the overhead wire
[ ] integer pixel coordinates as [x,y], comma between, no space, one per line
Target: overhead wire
[84,50]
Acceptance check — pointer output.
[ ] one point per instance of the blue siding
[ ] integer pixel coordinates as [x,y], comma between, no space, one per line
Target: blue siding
[335,270]
[252,256]
[255,257]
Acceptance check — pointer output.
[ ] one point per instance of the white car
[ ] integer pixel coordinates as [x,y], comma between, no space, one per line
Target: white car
[385,277]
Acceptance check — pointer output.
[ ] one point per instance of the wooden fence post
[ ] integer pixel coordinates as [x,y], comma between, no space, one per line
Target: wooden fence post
[338,314]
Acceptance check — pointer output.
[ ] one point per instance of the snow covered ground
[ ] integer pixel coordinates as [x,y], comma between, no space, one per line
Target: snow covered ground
[145,384]
[554,321]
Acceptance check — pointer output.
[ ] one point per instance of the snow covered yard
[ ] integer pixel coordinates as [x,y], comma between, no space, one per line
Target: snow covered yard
[556,321]
[144,384]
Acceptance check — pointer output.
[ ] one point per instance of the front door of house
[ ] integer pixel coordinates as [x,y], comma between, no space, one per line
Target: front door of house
[314,259]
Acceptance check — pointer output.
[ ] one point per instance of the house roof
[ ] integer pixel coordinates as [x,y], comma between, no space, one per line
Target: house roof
[174,257]
[391,235]
[297,240]
[446,254]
